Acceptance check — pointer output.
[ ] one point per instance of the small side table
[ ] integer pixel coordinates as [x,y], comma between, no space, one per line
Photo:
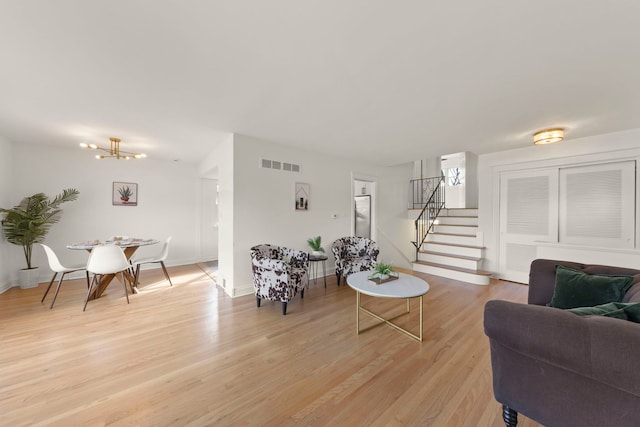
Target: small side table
[313,266]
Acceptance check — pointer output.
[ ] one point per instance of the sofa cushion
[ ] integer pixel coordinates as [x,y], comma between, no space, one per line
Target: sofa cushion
[577,289]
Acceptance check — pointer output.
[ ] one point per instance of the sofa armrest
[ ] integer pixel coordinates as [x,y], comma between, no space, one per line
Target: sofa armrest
[600,348]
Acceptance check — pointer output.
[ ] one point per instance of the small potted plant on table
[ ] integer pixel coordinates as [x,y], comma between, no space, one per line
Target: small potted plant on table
[315,243]
[382,273]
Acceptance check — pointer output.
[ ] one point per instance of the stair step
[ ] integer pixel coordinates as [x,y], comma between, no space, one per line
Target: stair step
[448,267]
[459,239]
[457,245]
[451,260]
[452,234]
[476,277]
[460,229]
[468,258]
[453,249]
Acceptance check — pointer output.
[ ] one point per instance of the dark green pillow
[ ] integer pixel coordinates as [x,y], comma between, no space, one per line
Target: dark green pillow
[619,310]
[576,289]
[608,310]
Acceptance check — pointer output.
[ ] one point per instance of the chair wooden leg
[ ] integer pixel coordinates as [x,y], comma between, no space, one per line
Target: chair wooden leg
[257,301]
[509,416]
[338,278]
[87,279]
[284,308]
[165,272]
[302,294]
[57,290]
[49,287]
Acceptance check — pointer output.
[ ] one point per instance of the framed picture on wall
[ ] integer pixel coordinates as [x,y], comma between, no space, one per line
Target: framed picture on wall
[302,196]
[125,194]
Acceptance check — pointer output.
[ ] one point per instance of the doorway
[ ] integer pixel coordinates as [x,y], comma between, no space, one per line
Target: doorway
[209,219]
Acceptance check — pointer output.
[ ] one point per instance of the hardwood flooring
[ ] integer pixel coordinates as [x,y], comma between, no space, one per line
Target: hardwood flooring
[189,355]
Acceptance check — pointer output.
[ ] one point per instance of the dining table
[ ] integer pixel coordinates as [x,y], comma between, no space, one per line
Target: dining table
[129,247]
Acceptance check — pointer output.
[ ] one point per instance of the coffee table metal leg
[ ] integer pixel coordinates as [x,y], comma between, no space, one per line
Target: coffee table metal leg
[387,321]
[420,318]
[357,313]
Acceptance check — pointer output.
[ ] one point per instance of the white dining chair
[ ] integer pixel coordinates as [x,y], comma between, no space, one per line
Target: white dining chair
[58,268]
[159,258]
[107,259]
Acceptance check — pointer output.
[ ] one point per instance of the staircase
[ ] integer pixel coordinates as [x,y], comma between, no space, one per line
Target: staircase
[453,248]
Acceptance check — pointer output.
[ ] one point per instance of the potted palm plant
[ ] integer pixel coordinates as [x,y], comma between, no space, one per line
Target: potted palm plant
[29,222]
[315,243]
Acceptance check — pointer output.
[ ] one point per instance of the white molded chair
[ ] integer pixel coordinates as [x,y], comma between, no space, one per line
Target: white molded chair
[107,259]
[160,258]
[57,267]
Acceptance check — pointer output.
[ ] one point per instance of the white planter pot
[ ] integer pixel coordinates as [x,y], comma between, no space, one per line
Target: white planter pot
[28,278]
[317,253]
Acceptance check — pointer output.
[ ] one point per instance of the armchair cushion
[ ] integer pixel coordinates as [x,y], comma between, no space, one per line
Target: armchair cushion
[577,289]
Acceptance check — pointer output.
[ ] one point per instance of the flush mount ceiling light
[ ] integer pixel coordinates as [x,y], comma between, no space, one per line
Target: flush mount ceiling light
[113,150]
[548,136]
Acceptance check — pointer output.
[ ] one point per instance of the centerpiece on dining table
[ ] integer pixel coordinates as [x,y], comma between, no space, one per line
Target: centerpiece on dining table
[382,273]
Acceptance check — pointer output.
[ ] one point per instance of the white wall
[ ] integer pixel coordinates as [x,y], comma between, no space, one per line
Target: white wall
[167,201]
[263,205]
[6,170]
[610,147]
[208,219]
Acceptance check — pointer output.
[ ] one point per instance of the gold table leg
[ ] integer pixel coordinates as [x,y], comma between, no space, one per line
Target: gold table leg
[387,321]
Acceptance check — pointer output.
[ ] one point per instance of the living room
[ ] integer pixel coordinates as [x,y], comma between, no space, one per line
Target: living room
[344,91]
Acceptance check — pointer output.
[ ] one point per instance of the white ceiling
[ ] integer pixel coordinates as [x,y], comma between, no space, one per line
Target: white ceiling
[385,81]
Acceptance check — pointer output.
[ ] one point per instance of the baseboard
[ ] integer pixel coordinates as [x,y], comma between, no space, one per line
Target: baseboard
[5,287]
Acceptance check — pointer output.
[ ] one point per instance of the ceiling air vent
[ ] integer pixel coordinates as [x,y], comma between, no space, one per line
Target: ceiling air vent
[278,165]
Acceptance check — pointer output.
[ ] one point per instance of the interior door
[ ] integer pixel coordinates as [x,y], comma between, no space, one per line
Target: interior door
[528,214]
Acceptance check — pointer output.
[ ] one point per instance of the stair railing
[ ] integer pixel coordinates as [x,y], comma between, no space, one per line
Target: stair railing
[430,211]
[422,189]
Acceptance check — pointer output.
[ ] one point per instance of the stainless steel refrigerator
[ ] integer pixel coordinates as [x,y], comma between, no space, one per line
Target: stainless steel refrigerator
[363,216]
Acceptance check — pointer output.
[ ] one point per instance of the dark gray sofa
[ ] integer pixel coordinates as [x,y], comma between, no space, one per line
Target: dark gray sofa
[561,369]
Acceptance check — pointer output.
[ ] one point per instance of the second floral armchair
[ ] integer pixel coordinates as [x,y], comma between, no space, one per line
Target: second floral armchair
[354,254]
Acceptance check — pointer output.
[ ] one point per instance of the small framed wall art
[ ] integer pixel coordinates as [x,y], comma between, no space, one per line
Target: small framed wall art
[302,196]
[125,194]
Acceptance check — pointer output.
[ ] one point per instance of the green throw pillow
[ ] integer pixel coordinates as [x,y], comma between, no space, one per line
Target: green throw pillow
[607,310]
[619,310]
[577,289]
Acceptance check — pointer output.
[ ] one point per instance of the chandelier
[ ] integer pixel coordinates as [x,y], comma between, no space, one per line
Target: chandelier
[113,150]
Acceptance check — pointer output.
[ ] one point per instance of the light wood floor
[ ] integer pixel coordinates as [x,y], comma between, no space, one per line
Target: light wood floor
[191,355]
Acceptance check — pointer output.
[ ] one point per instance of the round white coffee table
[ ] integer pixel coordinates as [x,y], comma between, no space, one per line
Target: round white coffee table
[406,286]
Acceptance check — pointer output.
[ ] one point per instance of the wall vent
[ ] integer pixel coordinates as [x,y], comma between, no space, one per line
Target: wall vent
[279,165]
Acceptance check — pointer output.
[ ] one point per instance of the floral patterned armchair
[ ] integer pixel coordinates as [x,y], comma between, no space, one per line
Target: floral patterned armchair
[278,273]
[354,254]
